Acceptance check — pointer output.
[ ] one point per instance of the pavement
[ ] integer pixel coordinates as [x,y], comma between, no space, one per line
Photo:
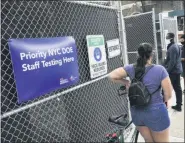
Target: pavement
[177,121]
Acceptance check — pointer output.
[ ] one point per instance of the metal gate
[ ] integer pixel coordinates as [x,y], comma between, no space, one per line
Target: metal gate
[167,24]
[138,29]
[78,113]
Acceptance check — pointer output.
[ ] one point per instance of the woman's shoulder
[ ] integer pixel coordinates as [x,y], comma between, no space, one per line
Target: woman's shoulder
[129,69]
[161,71]
[159,67]
[129,66]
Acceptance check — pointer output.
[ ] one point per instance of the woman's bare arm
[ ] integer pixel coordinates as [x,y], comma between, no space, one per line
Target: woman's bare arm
[118,76]
[167,88]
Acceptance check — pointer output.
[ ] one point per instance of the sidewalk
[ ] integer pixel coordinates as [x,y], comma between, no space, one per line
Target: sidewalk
[177,122]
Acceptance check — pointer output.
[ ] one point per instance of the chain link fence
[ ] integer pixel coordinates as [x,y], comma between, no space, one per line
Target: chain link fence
[167,24]
[75,114]
[170,24]
[140,28]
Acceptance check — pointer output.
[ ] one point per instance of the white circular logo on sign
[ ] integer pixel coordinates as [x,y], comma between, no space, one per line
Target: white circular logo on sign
[97,54]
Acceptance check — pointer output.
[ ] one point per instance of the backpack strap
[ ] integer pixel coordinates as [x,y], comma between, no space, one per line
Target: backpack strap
[150,67]
[145,74]
[156,90]
[142,76]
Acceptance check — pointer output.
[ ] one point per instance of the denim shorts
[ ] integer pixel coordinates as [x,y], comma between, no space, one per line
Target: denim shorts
[154,116]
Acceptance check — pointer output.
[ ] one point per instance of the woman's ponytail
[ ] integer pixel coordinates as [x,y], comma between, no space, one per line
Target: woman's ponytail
[144,51]
[141,62]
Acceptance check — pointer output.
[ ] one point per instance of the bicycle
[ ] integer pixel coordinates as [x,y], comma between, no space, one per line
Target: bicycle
[126,131]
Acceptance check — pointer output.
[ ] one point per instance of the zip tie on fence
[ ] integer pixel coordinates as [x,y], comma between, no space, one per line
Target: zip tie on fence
[7,114]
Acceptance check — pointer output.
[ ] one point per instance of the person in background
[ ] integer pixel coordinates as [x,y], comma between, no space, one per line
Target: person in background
[152,121]
[174,67]
[182,40]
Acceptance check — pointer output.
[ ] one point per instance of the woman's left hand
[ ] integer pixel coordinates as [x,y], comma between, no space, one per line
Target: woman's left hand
[126,83]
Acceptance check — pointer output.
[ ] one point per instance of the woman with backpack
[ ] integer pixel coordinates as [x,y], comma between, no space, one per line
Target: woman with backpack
[148,109]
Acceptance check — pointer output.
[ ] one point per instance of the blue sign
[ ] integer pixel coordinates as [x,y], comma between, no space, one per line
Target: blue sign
[42,65]
[97,54]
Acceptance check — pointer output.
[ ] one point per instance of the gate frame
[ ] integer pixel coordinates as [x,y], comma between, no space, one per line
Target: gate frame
[154,34]
[162,30]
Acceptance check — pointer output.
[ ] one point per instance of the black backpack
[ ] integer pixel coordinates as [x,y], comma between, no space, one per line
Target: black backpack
[138,93]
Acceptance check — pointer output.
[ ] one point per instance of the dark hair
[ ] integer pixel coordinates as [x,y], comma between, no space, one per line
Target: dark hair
[145,52]
[171,35]
[183,36]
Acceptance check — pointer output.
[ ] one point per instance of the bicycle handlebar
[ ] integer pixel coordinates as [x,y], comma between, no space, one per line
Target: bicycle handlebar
[122,91]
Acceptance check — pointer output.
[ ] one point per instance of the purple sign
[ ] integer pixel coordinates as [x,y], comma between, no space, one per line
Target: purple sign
[42,65]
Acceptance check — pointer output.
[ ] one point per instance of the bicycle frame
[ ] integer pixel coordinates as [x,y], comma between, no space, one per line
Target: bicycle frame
[118,136]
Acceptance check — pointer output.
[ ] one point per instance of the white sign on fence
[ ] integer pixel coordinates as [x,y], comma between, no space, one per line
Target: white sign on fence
[97,55]
[113,48]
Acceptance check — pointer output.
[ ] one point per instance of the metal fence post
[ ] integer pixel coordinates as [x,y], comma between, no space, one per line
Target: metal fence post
[161,30]
[155,36]
[176,25]
[123,35]
[124,44]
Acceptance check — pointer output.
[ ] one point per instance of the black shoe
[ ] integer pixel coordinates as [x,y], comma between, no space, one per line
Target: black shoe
[177,108]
